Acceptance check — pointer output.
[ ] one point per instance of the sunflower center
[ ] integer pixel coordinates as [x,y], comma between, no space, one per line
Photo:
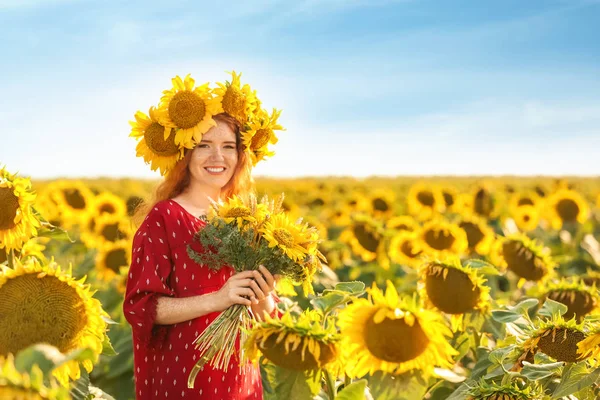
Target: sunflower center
[474,233]
[155,140]
[107,208]
[133,202]
[318,202]
[234,104]
[439,239]
[448,199]
[522,261]
[260,139]
[526,217]
[484,204]
[568,210]
[426,198]
[365,238]
[562,344]
[380,205]
[393,340]
[74,198]
[9,205]
[186,109]
[455,294]
[34,310]
[408,249]
[238,212]
[276,353]
[525,201]
[579,303]
[111,232]
[283,237]
[116,259]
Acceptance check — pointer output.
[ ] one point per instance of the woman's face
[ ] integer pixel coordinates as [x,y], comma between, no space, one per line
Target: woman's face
[214,159]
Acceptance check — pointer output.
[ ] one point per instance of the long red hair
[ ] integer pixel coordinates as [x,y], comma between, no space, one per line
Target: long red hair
[178,179]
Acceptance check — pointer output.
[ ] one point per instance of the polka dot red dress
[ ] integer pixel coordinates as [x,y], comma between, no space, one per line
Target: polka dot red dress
[164,354]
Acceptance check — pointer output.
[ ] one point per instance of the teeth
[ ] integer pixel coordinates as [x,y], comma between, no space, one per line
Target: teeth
[221,169]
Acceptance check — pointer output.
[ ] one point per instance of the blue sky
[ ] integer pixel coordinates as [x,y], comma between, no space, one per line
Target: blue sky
[373,87]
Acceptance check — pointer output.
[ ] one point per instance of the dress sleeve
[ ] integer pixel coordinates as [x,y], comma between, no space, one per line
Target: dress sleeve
[148,279]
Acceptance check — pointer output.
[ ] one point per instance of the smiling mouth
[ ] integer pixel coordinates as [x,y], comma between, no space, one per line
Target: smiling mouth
[215,170]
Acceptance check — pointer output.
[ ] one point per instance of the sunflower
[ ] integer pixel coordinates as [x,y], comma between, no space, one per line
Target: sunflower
[111,228]
[402,223]
[480,236]
[527,198]
[392,334]
[27,385]
[337,215]
[365,237]
[261,133]
[235,210]
[592,278]
[406,249]
[566,207]
[156,141]
[298,343]
[580,299]
[494,391]
[590,346]
[441,237]
[453,288]
[485,202]
[424,201]
[382,202]
[236,100]
[526,217]
[280,232]
[109,203]
[43,303]
[189,109]
[524,257]
[111,257]
[450,195]
[556,338]
[18,221]
[73,199]
[133,202]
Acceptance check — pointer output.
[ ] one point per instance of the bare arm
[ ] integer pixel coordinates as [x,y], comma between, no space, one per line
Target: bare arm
[173,310]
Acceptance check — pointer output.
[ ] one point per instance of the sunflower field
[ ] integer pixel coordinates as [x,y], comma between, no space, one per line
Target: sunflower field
[437,288]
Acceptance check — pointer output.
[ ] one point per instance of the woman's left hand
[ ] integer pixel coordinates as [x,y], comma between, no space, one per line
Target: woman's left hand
[263,285]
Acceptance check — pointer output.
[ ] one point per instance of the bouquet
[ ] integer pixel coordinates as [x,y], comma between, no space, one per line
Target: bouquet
[245,233]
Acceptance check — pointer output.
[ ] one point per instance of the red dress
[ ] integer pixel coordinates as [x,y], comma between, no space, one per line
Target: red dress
[164,354]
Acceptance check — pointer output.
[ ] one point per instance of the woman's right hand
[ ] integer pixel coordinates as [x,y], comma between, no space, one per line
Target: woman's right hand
[237,290]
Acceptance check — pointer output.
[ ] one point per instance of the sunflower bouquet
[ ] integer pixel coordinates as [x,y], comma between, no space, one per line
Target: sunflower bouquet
[245,233]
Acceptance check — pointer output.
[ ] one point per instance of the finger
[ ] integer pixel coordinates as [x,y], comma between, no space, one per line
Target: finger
[257,290]
[242,282]
[244,291]
[242,300]
[268,277]
[242,275]
[258,277]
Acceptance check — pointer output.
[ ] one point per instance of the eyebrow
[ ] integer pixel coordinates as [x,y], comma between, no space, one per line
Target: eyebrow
[210,141]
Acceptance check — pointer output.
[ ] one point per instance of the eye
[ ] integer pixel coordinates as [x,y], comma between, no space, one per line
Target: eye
[229,146]
[202,146]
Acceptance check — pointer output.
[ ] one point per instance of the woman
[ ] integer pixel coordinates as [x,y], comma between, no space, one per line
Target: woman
[170,299]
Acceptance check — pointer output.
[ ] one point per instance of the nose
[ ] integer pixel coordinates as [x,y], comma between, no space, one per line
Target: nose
[216,154]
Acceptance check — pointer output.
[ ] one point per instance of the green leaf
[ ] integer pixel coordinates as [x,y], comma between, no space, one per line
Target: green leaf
[46,357]
[329,301]
[354,391]
[482,266]
[483,363]
[575,378]
[406,386]
[462,391]
[80,389]
[354,288]
[505,316]
[292,385]
[497,356]
[107,348]
[540,371]
[551,308]
[524,305]
[54,232]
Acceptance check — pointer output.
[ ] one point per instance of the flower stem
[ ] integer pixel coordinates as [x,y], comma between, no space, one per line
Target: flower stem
[330,385]
[10,257]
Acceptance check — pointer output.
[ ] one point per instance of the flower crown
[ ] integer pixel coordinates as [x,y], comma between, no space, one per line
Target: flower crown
[185,113]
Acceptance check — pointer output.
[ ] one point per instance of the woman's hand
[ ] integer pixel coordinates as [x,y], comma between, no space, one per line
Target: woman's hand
[263,285]
[237,290]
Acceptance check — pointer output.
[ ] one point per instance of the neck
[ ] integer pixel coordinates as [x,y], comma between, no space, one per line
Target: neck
[198,196]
